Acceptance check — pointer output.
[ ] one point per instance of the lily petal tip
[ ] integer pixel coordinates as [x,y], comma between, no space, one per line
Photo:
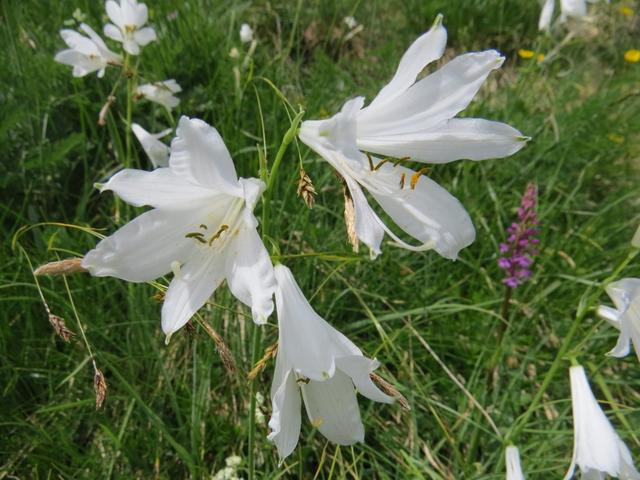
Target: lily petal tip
[438,21]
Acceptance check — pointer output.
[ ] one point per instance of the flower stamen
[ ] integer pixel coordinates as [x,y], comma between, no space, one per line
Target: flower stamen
[216,235]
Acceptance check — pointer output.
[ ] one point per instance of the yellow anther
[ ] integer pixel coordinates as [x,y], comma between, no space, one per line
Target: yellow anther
[196,236]
[370,161]
[218,233]
[304,380]
[400,160]
[402,177]
[317,422]
[380,164]
[203,226]
[416,176]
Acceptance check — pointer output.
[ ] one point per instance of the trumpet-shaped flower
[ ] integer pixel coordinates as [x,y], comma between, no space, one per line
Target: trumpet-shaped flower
[86,54]
[512,457]
[414,120]
[319,362]
[157,151]
[597,448]
[625,316]
[129,18]
[201,227]
[161,92]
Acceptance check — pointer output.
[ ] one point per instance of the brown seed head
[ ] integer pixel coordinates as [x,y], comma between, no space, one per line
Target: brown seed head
[306,190]
[100,387]
[60,327]
[61,267]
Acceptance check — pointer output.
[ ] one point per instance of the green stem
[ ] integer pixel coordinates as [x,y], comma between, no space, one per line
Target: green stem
[581,313]
[255,355]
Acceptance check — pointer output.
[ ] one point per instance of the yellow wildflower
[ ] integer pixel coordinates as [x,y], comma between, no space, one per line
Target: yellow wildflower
[632,55]
[522,53]
[540,57]
[615,138]
[626,11]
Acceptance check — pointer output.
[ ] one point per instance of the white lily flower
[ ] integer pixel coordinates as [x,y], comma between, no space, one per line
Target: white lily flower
[575,9]
[86,54]
[414,120]
[161,92]
[246,33]
[321,363]
[128,28]
[597,448]
[514,470]
[157,151]
[201,227]
[625,316]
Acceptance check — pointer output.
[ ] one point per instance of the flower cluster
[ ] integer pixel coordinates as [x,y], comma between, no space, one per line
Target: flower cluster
[519,250]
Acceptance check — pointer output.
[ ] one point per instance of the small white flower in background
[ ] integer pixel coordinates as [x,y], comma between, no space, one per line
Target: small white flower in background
[258,413]
[230,472]
[201,227]
[350,22]
[597,448]
[414,120]
[86,54]
[625,295]
[319,362]
[129,18]
[157,151]
[161,92]
[575,9]
[246,33]
[512,457]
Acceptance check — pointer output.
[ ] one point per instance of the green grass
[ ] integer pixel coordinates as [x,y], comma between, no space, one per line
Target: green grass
[173,411]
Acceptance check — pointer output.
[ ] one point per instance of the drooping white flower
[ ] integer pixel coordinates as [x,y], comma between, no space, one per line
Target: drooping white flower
[625,316]
[514,470]
[161,92]
[157,151]
[86,54]
[246,33]
[414,119]
[319,362]
[597,448]
[201,227]
[129,18]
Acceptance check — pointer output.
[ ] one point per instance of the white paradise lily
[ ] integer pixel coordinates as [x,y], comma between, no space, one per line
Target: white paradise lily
[201,227]
[321,363]
[597,448]
[161,92]
[512,457]
[625,317]
[129,18]
[86,55]
[157,151]
[414,120]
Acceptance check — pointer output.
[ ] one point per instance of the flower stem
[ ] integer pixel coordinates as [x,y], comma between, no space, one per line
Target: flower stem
[255,355]
[583,308]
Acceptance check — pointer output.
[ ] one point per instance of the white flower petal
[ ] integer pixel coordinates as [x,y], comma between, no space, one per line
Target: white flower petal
[286,418]
[427,48]
[573,8]
[428,212]
[512,457]
[249,273]
[455,139]
[141,14]
[199,155]
[597,446]
[307,341]
[115,14]
[131,46]
[358,368]
[611,315]
[157,151]
[546,15]
[369,228]
[434,99]
[79,42]
[144,248]
[332,407]
[191,288]
[160,188]
[144,36]
[622,291]
[78,61]
[113,32]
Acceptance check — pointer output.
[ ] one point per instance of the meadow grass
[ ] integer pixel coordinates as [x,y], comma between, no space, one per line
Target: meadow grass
[174,411]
